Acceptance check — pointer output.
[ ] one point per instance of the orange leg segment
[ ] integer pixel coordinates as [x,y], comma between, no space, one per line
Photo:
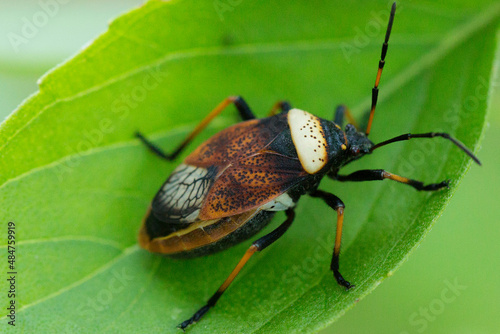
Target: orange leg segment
[258,245]
[342,111]
[238,101]
[335,203]
[280,105]
[380,174]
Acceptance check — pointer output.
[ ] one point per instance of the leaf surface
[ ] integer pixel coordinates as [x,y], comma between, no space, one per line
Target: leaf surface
[77,183]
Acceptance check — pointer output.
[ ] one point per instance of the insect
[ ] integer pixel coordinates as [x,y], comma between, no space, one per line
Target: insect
[231,186]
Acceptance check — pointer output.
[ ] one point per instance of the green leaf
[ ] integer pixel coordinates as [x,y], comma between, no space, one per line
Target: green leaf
[77,184]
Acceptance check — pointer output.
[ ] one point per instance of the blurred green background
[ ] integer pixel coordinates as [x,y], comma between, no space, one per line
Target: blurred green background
[462,249]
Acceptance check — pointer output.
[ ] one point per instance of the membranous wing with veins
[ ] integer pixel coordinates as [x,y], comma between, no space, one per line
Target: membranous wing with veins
[180,198]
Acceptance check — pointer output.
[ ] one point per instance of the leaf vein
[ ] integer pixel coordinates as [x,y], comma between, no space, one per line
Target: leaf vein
[126,252]
[79,238]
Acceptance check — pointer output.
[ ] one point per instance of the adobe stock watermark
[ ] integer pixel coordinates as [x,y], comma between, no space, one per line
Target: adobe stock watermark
[425,148]
[223,6]
[370,32]
[470,104]
[31,26]
[419,320]
[120,109]
[116,284]
[298,274]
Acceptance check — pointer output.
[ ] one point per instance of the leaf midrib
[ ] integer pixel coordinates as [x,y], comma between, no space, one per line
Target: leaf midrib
[126,252]
[70,238]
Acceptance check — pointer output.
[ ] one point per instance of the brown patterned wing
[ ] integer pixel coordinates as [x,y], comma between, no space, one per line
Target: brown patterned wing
[238,141]
[250,182]
[181,197]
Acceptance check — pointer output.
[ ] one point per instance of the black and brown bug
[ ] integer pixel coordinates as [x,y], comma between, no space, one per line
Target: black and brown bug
[231,186]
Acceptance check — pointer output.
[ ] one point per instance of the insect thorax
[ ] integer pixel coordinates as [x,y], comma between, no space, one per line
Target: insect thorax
[309,140]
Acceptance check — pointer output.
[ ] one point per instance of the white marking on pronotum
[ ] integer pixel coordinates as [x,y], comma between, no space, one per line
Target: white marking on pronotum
[309,140]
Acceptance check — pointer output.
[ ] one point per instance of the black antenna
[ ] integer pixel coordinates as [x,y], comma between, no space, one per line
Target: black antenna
[381,64]
[409,136]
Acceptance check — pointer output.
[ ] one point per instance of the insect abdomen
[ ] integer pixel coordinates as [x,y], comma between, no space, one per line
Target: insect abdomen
[203,237]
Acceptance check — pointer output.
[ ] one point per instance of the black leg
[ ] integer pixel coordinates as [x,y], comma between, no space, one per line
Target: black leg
[257,246]
[339,115]
[380,174]
[153,148]
[342,111]
[241,105]
[283,106]
[336,204]
[243,109]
